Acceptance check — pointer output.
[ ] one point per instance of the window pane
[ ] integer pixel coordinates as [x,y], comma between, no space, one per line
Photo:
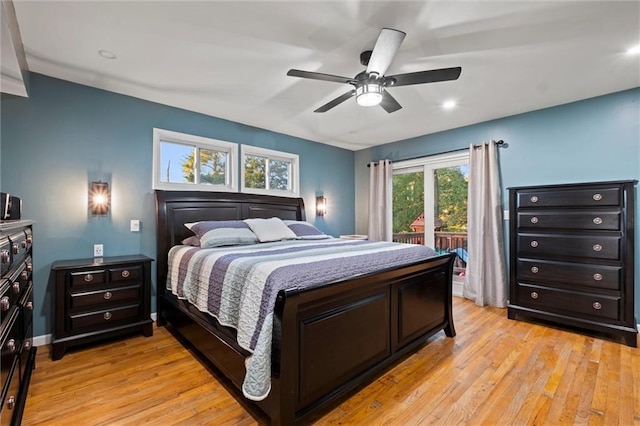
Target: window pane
[279,175]
[255,172]
[408,208]
[213,167]
[176,163]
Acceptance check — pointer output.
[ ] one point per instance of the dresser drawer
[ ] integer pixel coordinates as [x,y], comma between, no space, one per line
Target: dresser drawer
[597,276]
[84,278]
[11,381]
[103,297]
[606,221]
[104,318]
[586,305]
[5,255]
[129,273]
[595,247]
[10,345]
[569,197]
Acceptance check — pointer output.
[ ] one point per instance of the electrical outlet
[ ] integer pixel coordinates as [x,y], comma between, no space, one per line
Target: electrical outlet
[135,225]
[98,250]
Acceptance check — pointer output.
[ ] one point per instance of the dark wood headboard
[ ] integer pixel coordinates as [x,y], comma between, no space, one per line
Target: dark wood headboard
[175,208]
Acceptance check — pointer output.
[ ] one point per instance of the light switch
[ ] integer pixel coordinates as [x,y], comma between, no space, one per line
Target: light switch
[135,225]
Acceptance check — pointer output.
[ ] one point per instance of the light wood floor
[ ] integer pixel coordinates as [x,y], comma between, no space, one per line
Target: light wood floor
[495,371]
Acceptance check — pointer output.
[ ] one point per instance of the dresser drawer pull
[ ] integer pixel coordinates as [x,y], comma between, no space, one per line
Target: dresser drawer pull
[11,402]
[534,199]
[29,239]
[534,269]
[597,220]
[11,345]
[597,277]
[27,345]
[534,243]
[107,295]
[16,287]
[597,196]
[4,256]
[534,220]
[597,306]
[125,274]
[88,278]
[24,244]
[4,304]
[107,315]
[16,249]
[534,295]
[29,306]
[24,275]
[597,247]
[29,267]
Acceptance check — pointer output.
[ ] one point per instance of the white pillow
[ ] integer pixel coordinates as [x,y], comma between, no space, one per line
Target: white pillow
[273,229]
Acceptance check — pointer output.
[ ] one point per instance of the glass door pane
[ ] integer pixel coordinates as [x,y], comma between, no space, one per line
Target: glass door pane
[408,206]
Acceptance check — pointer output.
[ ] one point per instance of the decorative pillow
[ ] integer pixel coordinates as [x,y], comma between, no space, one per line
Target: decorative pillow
[216,233]
[191,241]
[273,229]
[305,230]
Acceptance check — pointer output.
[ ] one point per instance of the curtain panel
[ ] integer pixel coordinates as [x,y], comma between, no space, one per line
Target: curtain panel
[380,201]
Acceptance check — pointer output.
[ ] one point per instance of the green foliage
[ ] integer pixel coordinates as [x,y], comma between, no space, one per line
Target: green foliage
[278,175]
[408,200]
[255,169]
[213,166]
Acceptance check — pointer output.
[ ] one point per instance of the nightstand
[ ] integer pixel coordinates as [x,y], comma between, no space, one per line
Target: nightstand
[99,298]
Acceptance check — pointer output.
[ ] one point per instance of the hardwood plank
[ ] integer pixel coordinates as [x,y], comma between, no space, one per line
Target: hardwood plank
[495,371]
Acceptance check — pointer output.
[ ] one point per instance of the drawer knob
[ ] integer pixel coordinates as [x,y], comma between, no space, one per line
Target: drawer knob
[27,344]
[597,220]
[16,287]
[125,274]
[107,315]
[597,247]
[107,295]
[88,278]
[534,295]
[534,220]
[534,199]
[11,402]
[597,306]
[24,244]
[597,196]
[4,256]
[597,277]
[29,267]
[29,239]
[11,345]
[4,303]
[534,243]
[24,275]
[534,269]
[29,306]
[16,249]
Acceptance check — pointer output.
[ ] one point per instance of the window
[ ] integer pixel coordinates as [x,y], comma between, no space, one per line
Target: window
[265,171]
[182,161]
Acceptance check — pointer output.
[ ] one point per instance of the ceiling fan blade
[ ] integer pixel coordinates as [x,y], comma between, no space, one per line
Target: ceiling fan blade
[318,76]
[431,76]
[389,103]
[337,101]
[385,50]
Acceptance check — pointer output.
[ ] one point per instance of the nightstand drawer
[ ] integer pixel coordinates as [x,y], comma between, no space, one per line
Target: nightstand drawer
[104,318]
[102,297]
[130,273]
[88,277]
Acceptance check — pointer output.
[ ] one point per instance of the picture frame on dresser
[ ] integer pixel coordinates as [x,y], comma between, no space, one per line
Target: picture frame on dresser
[572,256]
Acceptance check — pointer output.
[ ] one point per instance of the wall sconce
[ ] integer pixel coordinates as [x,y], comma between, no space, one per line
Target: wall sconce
[99,198]
[321,205]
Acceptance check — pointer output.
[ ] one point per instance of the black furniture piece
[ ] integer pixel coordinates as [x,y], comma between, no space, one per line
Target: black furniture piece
[571,255]
[98,298]
[315,362]
[16,311]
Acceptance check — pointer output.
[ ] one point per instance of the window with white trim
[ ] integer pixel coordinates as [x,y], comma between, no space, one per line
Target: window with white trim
[188,162]
[265,171]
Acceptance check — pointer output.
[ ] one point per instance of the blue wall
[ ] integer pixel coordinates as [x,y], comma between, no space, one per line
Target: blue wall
[593,140]
[65,135]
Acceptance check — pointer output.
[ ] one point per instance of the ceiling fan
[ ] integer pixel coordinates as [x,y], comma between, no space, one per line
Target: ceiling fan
[370,86]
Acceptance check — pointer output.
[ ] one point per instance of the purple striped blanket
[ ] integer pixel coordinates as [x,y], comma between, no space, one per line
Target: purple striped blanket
[238,285]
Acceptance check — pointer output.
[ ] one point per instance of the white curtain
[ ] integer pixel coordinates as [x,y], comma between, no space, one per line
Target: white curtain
[485,281]
[380,187]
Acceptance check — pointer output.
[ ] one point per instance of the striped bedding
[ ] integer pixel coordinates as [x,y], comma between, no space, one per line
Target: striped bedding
[238,285]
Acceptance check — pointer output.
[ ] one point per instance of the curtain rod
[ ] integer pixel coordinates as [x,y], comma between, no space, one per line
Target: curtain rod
[500,142]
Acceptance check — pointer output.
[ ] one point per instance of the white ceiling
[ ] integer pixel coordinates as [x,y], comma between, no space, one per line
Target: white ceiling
[230,59]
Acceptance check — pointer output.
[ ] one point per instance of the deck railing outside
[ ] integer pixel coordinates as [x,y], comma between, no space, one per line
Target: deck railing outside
[443,240]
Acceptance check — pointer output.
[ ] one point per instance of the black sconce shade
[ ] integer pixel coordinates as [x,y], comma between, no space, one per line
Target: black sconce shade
[99,198]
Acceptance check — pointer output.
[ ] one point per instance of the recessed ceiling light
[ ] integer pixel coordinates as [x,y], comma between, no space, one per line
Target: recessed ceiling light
[634,50]
[449,104]
[106,54]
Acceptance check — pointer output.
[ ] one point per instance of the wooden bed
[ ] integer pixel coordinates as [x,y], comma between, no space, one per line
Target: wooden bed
[314,360]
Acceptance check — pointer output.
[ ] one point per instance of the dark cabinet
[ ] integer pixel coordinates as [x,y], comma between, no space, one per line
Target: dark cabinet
[16,313]
[572,254]
[99,298]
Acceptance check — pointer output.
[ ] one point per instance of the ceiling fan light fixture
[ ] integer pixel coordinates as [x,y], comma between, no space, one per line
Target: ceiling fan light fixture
[369,94]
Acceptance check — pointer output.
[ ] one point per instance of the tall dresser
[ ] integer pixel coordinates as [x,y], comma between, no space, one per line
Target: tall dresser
[16,310]
[571,256]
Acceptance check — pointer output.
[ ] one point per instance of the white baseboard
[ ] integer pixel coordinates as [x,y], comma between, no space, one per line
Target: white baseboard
[45,339]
